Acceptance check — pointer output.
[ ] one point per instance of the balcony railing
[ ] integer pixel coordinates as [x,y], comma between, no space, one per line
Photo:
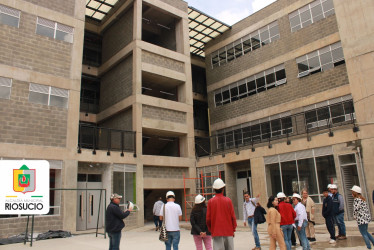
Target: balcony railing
[98,138]
[305,123]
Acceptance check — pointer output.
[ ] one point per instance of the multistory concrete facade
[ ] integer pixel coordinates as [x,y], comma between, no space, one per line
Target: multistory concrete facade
[287,136]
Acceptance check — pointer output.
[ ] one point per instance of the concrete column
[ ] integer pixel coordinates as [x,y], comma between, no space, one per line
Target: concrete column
[69,207]
[137,28]
[140,194]
[259,180]
[230,181]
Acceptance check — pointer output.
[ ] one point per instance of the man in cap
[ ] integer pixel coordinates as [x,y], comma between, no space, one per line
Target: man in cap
[301,221]
[338,211]
[328,215]
[249,207]
[287,218]
[220,218]
[172,214]
[114,221]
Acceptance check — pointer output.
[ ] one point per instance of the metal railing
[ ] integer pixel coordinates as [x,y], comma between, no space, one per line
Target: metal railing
[304,123]
[99,138]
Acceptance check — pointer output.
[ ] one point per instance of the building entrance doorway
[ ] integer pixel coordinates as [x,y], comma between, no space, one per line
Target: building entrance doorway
[88,201]
[243,184]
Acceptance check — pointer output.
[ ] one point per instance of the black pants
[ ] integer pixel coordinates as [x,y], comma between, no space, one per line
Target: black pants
[293,237]
[330,227]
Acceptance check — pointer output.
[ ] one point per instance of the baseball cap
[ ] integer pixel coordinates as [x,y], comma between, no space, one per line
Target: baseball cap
[114,196]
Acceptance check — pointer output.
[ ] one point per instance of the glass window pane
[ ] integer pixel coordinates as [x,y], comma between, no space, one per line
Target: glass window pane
[40,98]
[314,63]
[238,50]
[317,11]
[323,113]
[247,45]
[243,88]
[281,74]
[4,92]
[234,93]
[274,31]
[270,79]
[287,125]
[327,5]
[337,113]
[326,58]
[273,179]
[119,183]
[229,139]
[295,21]
[251,84]
[9,20]
[246,135]
[218,99]
[347,159]
[325,171]
[265,130]
[215,59]
[276,128]
[230,53]
[303,66]
[255,41]
[310,116]
[348,107]
[256,132]
[222,56]
[63,36]
[225,96]
[130,187]
[289,176]
[59,101]
[307,175]
[264,34]
[305,16]
[337,54]
[45,31]
[238,136]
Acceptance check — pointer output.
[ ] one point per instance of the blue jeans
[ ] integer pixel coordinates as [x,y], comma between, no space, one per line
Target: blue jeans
[173,239]
[157,221]
[339,220]
[302,235]
[253,226]
[287,232]
[114,240]
[367,236]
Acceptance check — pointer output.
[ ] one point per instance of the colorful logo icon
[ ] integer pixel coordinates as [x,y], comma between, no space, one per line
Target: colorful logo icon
[24,180]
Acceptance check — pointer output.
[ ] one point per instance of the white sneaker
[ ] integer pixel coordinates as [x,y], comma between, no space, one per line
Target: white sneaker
[332,241]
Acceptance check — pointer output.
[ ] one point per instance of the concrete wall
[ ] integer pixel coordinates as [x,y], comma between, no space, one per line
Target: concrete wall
[164,114]
[66,7]
[116,84]
[162,61]
[177,4]
[118,35]
[122,121]
[49,56]
[164,172]
[30,123]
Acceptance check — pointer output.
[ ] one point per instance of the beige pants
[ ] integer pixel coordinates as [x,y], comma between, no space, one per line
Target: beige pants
[309,230]
[279,239]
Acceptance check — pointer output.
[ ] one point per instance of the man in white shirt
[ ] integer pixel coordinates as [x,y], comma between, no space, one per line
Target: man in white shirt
[173,214]
[249,207]
[301,221]
[156,211]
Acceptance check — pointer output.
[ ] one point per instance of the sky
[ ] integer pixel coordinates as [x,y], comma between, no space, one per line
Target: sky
[229,11]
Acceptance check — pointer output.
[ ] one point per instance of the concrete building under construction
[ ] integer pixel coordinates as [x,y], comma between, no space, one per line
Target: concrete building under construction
[139,97]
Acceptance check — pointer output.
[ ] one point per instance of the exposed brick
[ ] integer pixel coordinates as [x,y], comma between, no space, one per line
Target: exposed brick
[162,61]
[164,114]
[66,6]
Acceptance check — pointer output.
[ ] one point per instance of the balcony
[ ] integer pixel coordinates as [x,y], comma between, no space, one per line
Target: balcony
[99,138]
[311,121]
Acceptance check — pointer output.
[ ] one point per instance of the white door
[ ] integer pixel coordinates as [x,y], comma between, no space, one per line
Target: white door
[241,188]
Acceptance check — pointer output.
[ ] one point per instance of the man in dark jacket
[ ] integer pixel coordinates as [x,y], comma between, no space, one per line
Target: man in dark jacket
[338,211]
[328,214]
[114,221]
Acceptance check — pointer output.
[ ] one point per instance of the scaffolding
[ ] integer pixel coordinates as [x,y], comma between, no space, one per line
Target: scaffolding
[188,204]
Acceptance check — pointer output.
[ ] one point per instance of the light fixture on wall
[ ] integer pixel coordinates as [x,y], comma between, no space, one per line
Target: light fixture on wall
[331,134]
[108,153]
[134,155]
[223,155]
[79,151]
[288,142]
[94,152]
[122,154]
[355,128]
[309,138]
[237,152]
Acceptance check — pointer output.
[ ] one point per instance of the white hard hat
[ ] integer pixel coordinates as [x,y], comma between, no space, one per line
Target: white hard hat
[199,199]
[170,193]
[333,186]
[295,195]
[115,196]
[218,184]
[281,195]
[356,189]
[329,186]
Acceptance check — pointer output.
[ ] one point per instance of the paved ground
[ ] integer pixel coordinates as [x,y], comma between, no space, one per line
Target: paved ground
[145,238]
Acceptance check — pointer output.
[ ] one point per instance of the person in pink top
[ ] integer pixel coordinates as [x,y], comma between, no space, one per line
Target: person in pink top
[220,218]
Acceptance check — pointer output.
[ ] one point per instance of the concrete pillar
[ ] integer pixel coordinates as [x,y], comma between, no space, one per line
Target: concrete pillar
[230,181]
[140,194]
[259,180]
[69,206]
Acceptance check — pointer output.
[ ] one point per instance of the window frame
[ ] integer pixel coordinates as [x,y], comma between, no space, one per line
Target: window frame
[33,88]
[3,84]
[5,10]
[58,27]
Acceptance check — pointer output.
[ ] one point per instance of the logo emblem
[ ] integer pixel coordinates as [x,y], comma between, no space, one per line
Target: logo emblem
[24,180]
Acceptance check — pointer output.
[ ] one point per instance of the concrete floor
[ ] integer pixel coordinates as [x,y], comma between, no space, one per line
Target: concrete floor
[146,238]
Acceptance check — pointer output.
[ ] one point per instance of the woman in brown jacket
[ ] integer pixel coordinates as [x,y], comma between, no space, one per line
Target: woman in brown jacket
[273,220]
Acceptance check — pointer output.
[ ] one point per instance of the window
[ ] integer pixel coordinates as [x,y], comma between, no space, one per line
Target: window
[5,87]
[250,42]
[48,95]
[310,13]
[260,82]
[309,169]
[320,60]
[9,16]
[329,113]
[54,30]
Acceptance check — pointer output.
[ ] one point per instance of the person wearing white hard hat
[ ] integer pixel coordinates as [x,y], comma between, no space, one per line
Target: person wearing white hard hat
[328,215]
[288,215]
[114,221]
[301,221]
[199,228]
[220,218]
[329,188]
[362,215]
[172,214]
[338,210]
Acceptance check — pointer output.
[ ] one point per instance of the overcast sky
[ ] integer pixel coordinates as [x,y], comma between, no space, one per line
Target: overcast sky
[229,11]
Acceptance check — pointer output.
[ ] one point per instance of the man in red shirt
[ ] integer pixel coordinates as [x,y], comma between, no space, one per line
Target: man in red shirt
[220,218]
[288,216]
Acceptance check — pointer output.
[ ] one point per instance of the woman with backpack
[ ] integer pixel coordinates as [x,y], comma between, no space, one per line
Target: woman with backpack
[362,215]
[199,228]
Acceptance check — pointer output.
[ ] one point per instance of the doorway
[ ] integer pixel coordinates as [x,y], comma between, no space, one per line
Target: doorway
[243,184]
[88,202]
